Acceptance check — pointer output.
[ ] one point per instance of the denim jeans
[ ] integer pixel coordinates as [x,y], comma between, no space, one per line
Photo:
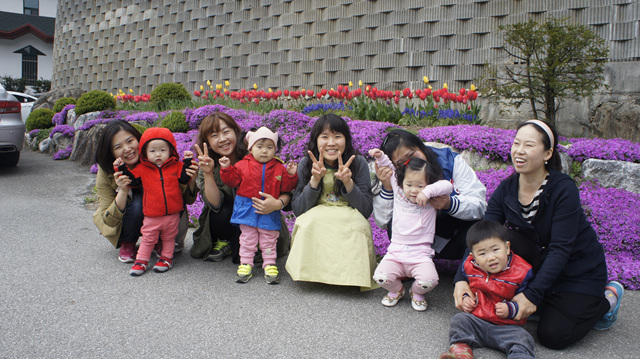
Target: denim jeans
[132,219]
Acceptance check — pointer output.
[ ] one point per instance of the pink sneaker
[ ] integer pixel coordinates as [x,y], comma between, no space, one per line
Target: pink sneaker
[127,253]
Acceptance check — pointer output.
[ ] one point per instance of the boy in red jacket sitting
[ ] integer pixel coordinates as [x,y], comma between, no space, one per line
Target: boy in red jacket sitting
[259,171]
[160,173]
[495,275]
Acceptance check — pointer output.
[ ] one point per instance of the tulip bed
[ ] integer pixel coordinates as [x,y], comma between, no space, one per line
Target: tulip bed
[611,211]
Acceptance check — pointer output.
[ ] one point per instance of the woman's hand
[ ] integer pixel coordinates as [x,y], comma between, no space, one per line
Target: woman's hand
[205,162]
[344,172]
[459,290]
[440,202]
[525,307]
[267,205]
[384,176]
[122,181]
[318,170]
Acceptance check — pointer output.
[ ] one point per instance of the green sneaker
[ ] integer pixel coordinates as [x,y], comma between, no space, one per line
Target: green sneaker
[271,275]
[244,273]
[221,249]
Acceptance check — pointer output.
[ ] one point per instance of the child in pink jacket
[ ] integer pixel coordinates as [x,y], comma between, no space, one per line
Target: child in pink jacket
[414,220]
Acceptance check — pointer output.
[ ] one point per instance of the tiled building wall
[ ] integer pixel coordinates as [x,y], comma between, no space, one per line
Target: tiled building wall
[112,44]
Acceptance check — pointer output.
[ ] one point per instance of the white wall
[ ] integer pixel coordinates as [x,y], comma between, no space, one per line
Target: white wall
[47,7]
[11,64]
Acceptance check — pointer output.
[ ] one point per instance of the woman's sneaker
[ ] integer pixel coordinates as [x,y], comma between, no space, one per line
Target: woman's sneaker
[220,250]
[127,253]
[162,265]
[244,273]
[271,275]
[139,267]
[610,318]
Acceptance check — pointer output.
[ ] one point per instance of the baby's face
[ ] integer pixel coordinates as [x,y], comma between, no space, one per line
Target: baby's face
[414,182]
[491,254]
[158,152]
[263,150]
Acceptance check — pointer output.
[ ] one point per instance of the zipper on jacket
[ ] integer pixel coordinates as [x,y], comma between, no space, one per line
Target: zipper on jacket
[164,193]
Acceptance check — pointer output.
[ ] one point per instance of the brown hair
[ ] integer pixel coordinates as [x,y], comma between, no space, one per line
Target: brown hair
[211,124]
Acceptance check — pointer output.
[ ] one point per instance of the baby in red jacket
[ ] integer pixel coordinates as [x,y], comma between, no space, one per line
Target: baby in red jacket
[495,276]
[259,171]
[160,173]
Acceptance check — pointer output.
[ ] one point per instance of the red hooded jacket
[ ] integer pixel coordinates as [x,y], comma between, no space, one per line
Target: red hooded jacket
[495,288]
[252,177]
[160,185]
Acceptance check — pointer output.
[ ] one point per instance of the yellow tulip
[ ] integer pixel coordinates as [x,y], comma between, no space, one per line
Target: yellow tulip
[360,83]
[445,86]
[208,83]
[120,91]
[332,89]
[430,87]
[226,83]
[130,90]
[255,87]
[201,88]
[425,79]
[210,87]
[473,87]
[350,84]
[270,90]
[111,93]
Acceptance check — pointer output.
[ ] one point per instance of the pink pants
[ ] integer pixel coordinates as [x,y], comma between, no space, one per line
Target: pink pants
[165,227]
[390,272]
[249,240]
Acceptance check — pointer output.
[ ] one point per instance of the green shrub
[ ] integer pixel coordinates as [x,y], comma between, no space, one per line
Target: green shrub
[40,136]
[176,121]
[94,101]
[139,127]
[61,103]
[39,119]
[166,93]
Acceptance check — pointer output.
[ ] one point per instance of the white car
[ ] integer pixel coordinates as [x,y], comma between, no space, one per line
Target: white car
[11,129]
[26,101]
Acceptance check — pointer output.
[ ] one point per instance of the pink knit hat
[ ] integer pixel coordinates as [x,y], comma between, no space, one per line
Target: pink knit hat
[263,132]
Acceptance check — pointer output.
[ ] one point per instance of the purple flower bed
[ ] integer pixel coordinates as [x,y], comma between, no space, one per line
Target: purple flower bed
[613,149]
[492,143]
[61,117]
[146,117]
[66,130]
[64,153]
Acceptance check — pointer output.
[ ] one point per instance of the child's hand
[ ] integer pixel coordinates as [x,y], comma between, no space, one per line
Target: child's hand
[187,154]
[384,176]
[224,162]
[118,162]
[468,304]
[292,168]
[375,153]
[502,310]
[422,199]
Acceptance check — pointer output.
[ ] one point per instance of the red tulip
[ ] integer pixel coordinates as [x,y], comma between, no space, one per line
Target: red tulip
[323,92]
[339,88]
[286,92]
[462,91]
[423,96]
[406,92]
[256,101]
[196,93]
[310,93]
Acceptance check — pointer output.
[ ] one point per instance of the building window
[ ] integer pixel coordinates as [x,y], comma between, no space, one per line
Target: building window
[32,7]
[30,68]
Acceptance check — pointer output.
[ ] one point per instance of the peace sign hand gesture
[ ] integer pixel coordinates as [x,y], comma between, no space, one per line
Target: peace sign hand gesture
[318,170]
[344,172]
[204,161]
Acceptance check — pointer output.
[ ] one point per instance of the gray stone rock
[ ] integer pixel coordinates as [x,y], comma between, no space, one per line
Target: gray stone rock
[61,142]
[616,120]
[45,146]
[82,119]
[71,117]
[618,174]
[48,99]
[85,144]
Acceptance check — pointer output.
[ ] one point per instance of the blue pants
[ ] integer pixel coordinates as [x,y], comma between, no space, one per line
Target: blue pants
[132,220]
[511,339]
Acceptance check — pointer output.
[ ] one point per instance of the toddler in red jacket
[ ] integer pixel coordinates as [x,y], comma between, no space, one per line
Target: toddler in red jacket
[259,171]
[160,173]
[495,275]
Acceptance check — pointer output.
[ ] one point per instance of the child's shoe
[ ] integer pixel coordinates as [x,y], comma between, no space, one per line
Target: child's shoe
[127,253]
[244,273]
[458,351]
[610,318]
[417,303]
[139,267]
[163,264]
[390,301]
[271,274]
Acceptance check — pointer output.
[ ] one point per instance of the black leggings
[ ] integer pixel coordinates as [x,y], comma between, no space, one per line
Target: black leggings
[221,228]
[565,318]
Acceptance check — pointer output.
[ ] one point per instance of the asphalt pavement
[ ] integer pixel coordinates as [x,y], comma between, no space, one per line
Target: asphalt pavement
[64,294]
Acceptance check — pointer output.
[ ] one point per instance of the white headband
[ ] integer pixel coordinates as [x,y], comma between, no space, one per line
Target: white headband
[546,129]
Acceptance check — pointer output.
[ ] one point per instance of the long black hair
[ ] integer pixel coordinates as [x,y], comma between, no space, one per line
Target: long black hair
[104,153]
[336,124]
[554,162]
[397,138]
